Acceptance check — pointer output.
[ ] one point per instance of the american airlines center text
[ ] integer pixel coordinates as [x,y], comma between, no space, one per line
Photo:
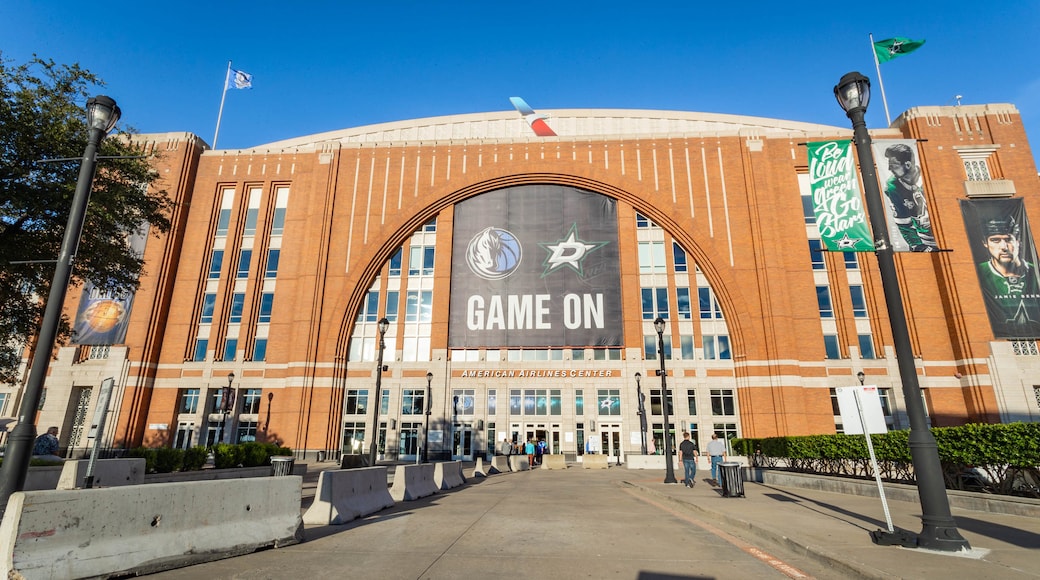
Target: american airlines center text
[539,374]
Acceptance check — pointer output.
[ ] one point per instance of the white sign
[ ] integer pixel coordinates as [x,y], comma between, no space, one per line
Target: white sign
[871,406]
[635,438]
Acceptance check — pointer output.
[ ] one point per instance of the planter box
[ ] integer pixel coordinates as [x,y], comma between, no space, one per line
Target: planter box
[213,474]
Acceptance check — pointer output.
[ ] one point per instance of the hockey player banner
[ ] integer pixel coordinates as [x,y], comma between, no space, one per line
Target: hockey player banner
[535,266]
[1005,258]
[836,200]
[906,211]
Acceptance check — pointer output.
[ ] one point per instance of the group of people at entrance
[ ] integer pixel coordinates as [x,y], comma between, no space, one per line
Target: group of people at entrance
[532,448]
[688,452]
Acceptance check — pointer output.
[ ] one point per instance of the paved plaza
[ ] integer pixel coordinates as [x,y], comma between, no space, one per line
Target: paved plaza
[626,524]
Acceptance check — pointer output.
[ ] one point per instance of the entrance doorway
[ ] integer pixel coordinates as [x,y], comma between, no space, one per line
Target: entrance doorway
[610,440]
[462,442]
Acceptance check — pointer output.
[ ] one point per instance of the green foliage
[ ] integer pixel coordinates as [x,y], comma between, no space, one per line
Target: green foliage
[227,455]
[149,457]
[168,459]
[195,458]
[42,118]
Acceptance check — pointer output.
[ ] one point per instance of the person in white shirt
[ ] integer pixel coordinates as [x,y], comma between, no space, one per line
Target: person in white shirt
[717,452]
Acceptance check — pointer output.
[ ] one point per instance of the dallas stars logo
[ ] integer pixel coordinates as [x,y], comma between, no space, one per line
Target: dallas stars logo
[569,251]
[847,242]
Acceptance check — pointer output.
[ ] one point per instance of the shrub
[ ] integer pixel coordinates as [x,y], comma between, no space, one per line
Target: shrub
[147,454]
[225,455]
[195,458]
[168,459]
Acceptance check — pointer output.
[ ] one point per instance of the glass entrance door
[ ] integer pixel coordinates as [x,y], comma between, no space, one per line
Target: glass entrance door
[462,442]
[610,440]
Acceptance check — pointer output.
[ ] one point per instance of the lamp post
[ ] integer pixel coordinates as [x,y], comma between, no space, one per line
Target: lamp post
[426,430]
[669,472]
[642,413]
[861,376]
[102,115]
[227,404]
[939,530]
[382,325]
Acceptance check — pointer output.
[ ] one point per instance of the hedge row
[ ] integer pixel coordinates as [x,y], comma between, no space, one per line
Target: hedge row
[168,460]
[1000,451]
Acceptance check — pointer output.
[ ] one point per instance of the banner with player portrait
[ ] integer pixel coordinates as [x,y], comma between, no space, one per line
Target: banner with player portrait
[902,191]
[1005,257]
[535,266]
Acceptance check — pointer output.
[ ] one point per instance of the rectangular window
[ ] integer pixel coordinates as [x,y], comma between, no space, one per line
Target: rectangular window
[859,303]
[189,401]
[395,263]
[393,302]
[682,298]
[200,350]
[655,402]
[246,432]
[866,346]
[230,346]
[3,403]
[807,209]
[716,347]
[412,401]
[266,304]
[250,229]
[655,303]
[215,263]
[238,301]
[830,344]
[463,400]
[977,169]
[515,406]
[278,221]
[691,402]
[243,263]
[251,402]
[651,258]
[223,220]
[609,402]
[492,403]
[851,261]
[726,432]
[816,255]
[420,260]
[579,403]
[260,349]
[357,402]
[650,347]
[679,257]
[723,402]
[709,307]
[419,306]
[886,406]
[271,270]
[354,437]
[823,299]
[209,301]
[686,347]
[555,402]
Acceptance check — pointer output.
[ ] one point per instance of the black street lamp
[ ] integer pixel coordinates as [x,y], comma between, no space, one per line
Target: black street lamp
[102,115]
[939,528]
[861,377]
[669,472]
[382,325]
[426,430]
[642,413]
[227,404]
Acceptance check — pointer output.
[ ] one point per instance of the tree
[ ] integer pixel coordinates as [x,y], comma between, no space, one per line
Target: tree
[43,132]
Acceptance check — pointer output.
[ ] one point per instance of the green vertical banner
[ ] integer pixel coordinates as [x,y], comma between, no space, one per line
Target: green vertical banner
[837,202]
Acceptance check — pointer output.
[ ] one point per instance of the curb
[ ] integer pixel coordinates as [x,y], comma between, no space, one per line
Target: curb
[839,563]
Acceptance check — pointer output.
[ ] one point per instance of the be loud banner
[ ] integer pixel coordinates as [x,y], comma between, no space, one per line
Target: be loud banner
[836,200]
[535,266]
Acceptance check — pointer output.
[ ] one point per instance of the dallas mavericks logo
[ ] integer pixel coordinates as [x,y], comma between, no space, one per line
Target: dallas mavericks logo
[494,254]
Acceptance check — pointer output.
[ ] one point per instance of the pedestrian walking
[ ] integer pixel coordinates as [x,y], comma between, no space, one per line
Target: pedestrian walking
[688,452]
[717,453]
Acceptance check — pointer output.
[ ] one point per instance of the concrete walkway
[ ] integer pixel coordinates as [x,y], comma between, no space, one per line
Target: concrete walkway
[621,523]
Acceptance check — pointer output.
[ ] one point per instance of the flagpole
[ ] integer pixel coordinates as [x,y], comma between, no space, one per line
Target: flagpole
[881,83]
[223,95]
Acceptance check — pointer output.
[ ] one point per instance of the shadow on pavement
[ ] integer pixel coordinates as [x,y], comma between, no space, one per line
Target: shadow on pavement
[786,496]
[1015,536]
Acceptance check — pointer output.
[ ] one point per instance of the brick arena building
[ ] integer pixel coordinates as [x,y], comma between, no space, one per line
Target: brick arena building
[520,276]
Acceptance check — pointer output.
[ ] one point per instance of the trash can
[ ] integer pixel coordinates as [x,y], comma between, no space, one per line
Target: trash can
[282,465]
[321,457]
[353,461]
[730,479]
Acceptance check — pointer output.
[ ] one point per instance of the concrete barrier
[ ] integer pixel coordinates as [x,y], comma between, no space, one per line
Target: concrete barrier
[346,494]
[412,482]
[518,463]
[141,529]
[594,461]
[43,477]
[448,474]
[554,462]
[107,472]
[478,469]
[500,463]
[224,473]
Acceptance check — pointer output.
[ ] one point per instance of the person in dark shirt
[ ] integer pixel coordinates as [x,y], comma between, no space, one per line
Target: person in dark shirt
[688,452]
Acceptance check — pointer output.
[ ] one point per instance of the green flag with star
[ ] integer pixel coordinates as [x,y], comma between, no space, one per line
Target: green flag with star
[836,199]
[888,49]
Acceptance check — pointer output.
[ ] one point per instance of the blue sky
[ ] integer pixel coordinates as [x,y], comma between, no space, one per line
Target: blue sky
[323,66]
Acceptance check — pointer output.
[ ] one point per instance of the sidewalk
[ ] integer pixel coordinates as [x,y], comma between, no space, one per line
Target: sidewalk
[833,529]
[623,523]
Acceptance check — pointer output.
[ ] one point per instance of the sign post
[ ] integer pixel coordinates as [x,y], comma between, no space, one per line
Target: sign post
[861,413]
